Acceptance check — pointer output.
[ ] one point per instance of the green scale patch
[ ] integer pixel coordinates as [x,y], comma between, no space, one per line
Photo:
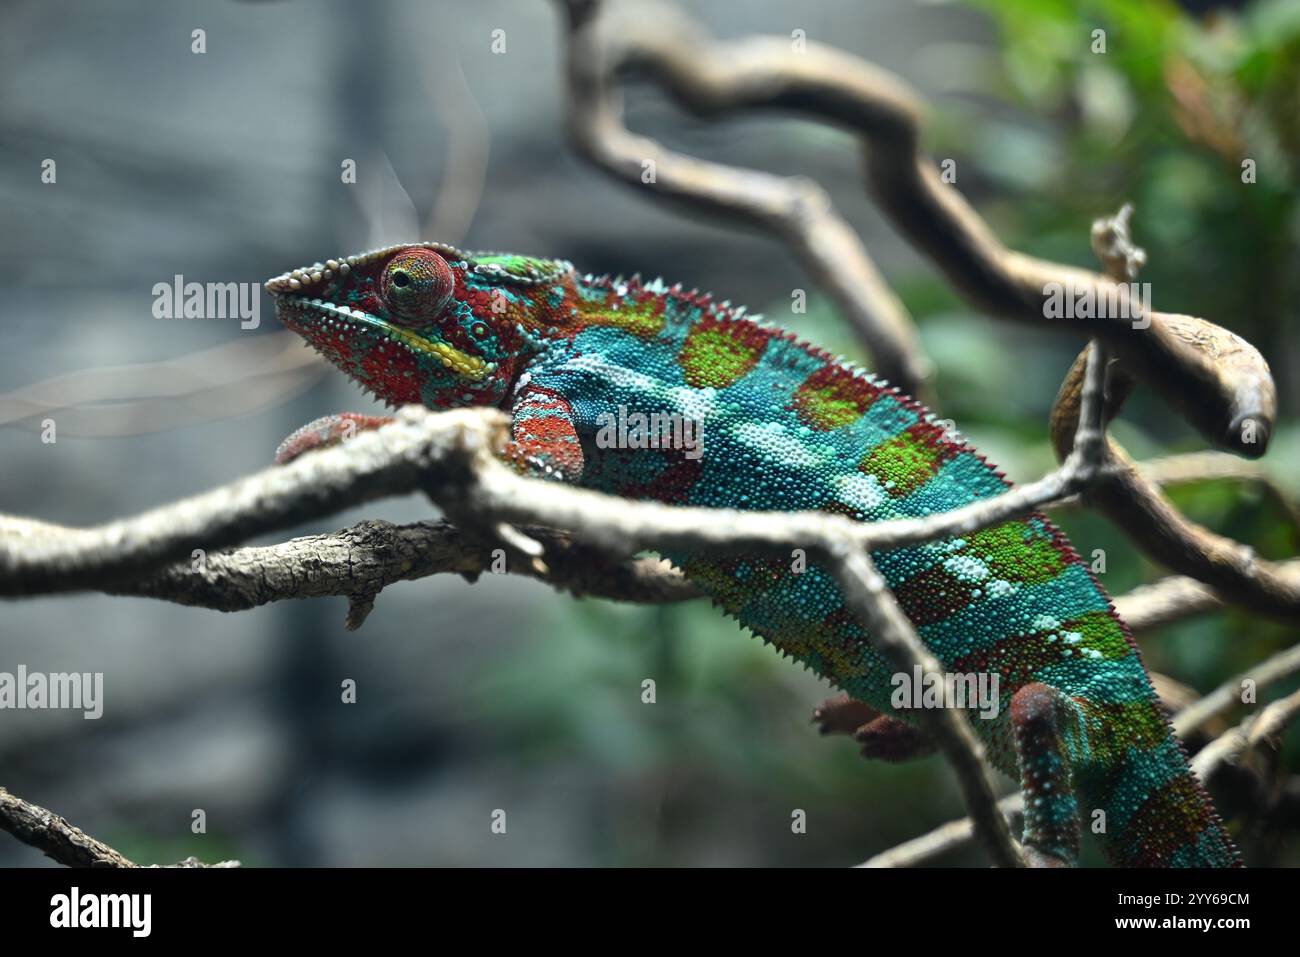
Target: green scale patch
[1016,552]
[906,462]
[508,265]
[833,397]
[644,319]
[719,352]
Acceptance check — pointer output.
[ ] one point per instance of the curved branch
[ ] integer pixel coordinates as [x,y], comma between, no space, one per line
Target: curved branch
[709,76]
[1134,502]
[793,208]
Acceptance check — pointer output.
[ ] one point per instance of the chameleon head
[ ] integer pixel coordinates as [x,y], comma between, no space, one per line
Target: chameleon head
[407,322]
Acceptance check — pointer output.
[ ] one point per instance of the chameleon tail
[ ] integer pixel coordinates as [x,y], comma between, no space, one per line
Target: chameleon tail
[1148,808]
[1159,814]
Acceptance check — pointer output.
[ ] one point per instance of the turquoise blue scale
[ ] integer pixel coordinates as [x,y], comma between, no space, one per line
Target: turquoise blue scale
[737,471]
[979,626]
[758,454]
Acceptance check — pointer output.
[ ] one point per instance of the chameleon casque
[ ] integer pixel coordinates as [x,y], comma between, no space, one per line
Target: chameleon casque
[784,426]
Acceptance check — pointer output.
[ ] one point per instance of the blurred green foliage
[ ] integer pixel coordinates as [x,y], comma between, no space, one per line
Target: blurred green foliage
[1165,118]
[1061,134]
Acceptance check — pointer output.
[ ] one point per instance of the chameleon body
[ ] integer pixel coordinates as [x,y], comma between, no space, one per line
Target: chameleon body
[785,426]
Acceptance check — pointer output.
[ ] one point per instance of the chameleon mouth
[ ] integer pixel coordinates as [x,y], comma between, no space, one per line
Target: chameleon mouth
[329,322]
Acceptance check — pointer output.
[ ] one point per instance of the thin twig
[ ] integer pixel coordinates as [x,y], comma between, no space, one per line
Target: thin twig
[944,838]
[868,596]
[1231,746]
[1266,673]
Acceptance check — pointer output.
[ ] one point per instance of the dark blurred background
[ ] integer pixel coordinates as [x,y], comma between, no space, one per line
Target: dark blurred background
[225,166]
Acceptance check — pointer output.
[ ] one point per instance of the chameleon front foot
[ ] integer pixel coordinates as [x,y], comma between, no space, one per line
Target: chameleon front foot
[843,715]
[326,431]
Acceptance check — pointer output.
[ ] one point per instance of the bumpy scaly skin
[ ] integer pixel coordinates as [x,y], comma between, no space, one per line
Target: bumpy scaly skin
[786,426]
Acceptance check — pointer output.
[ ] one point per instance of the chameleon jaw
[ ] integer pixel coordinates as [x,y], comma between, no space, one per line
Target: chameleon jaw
[469,367]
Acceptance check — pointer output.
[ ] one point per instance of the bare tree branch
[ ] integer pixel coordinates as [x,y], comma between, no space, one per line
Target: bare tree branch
[1218,381]
[1137,506]
[39,558]
[1134,501]
[359,562]
[793,208]
[944,838]
[63,843]
[451,456]
[868,596]
[371,555]
[1217,394]
[1178,598]
[50,833]
[1266,673]
[1230,747]
[1192,467]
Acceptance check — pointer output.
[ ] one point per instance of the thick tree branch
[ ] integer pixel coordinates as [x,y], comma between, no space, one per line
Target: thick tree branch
[1135,503]
[449,455]
[50,833]
[1225,391]
[38,558]
[359,562]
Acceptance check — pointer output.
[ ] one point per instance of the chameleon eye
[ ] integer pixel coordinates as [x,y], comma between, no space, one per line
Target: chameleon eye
[478,330]
[417,285]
